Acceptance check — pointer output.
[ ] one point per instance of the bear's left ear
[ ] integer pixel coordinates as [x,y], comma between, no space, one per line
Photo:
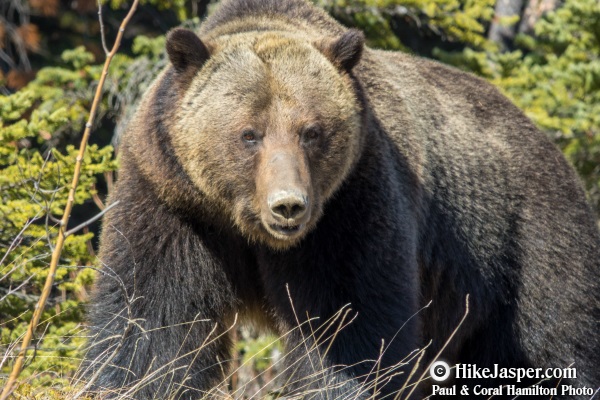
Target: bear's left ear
[345,51]
[186,50]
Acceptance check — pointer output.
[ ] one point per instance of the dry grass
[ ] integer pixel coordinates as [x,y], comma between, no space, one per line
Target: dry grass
[241,380]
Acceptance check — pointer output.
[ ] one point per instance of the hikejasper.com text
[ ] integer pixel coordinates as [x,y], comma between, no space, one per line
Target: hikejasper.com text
[471,371]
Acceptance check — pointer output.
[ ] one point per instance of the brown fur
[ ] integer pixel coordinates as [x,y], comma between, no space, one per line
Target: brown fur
[419,183]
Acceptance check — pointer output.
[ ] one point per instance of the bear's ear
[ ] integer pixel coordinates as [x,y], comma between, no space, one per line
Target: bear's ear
[344,51]
[186,50]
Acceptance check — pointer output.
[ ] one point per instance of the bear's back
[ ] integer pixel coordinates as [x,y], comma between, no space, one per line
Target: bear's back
[496,190]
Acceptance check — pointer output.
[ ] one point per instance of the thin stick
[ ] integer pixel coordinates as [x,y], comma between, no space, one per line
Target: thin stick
[91,220]
[102,37]
[16,371]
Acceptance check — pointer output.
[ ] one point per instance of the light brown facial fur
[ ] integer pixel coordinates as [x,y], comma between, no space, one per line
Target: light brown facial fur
[259,135]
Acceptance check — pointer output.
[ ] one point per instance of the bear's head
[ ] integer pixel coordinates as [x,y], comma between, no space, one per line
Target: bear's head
[268,126]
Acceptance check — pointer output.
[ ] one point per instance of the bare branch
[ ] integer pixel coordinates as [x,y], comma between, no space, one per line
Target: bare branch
[91,220]
[97,199]
[102,37]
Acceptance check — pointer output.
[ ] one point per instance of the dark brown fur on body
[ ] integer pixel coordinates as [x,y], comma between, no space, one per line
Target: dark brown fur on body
[414,181]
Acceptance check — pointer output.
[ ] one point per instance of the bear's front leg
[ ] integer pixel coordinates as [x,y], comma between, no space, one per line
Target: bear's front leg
[350,323]
[162,307]
[348,352]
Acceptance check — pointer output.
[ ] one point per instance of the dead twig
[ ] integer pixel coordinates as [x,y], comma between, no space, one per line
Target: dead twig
[102,37]
[96,198]
[91,220]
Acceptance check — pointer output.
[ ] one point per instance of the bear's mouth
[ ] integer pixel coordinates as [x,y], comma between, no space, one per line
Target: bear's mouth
[286,230]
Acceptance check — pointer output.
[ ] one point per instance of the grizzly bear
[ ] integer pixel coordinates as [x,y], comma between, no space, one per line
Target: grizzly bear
[348,199]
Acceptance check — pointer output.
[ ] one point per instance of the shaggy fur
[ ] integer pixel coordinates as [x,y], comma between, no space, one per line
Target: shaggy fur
[423,184]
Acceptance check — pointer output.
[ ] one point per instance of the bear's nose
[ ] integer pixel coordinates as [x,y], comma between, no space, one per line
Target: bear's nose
[288,205]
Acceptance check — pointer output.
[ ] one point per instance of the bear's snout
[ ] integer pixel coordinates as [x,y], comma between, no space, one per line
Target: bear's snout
[288,212]
[288,206]
[284,185]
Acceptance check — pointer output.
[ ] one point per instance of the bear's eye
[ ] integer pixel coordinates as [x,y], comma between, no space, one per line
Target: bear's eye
[249,135]
[312,133]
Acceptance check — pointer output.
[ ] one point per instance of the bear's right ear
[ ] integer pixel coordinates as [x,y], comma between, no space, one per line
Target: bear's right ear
[344,51]
[186,50]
